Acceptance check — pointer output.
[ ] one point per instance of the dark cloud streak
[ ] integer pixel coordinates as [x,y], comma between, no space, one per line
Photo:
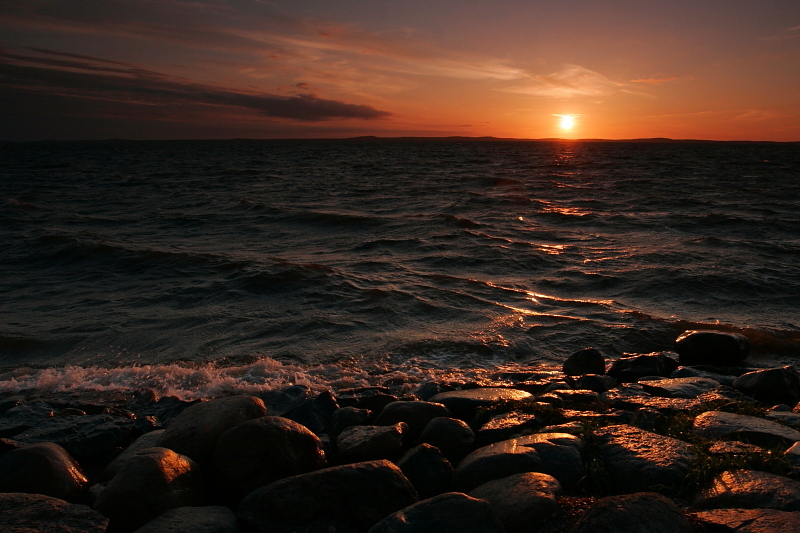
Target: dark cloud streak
[153,88]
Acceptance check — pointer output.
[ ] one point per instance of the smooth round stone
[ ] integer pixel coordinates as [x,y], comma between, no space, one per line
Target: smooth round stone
[463,404]
[44,468]
[716,348]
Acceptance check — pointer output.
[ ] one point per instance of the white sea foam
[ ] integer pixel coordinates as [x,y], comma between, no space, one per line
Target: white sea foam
[210,380]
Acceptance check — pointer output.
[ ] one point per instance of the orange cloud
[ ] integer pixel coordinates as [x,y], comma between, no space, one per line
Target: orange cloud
[652,80]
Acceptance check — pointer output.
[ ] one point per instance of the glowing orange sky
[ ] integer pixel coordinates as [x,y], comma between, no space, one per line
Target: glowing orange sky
[724,69]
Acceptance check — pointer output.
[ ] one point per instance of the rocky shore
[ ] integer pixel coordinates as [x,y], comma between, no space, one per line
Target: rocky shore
[695,440]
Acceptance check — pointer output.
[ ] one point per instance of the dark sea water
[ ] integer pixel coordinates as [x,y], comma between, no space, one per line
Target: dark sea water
[196,267]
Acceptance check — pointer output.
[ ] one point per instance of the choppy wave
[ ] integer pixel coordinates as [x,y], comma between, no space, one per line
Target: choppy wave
[464,255]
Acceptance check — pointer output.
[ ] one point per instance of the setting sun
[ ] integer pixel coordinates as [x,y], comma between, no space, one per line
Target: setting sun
[567,121]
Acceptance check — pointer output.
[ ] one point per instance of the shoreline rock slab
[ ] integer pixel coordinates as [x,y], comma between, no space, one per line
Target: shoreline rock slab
[749,520]
[452,511]
[639,461]
[82,435]
[751,429]
[463,404]
[750,489]
[44,468]
[771,386]
[643,512]
[521,501]
[346,498]
[689,387]
[556,454]
[194,432]
[29,513]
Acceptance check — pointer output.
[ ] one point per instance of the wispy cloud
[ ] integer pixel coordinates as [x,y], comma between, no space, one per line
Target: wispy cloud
[91,78]
[788,33]
[571,82]
[656,80]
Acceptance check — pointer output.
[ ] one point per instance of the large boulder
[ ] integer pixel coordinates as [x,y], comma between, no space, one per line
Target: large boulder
[44,468]
[341,498]
[452,511]
[521,501]
[557,454]
[194,432]
[151,482]
[771,386]
[463,404]
[148,440]
[453,437]
[368,443]
[264,450]
[427,469]
[36,513]
[715,348]
[82,435]
[643,512]
[211,519]
[750,489]
[640,461]
[586,361]
[636,366]
[732,426]
[749,520]
[415,414]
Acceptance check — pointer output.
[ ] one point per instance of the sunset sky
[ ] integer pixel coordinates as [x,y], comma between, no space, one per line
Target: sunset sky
[170,69]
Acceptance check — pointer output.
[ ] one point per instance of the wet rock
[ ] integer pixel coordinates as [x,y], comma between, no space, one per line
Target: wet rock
[749,489]
[415,414]
[451,511]
[82,436]
[373,399]
[552,399]
[454,438]
[749,520]
[711,348]
[211,519]
[150,483]
[695,372]
[279,402]
[346,417]
[21,417]
[586,361]
[505,426]
[194,432]
[691,387]
[367,443]
[771,386]
[428,389]
[633,398]
[643,512]
[636,366]
[732,426]
[560,385]
[148,440]
[464,404]
[44,468]
[315,414]
[6,445]
[595,382]
[36,513]
[264,450]
[341,498]
[162,411]
[638,460]
[521,501]
[578,397]
[603,418]
[427,469]
[557,454]
[723,393]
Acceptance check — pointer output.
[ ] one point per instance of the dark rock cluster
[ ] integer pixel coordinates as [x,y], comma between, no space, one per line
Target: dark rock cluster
[649,443]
